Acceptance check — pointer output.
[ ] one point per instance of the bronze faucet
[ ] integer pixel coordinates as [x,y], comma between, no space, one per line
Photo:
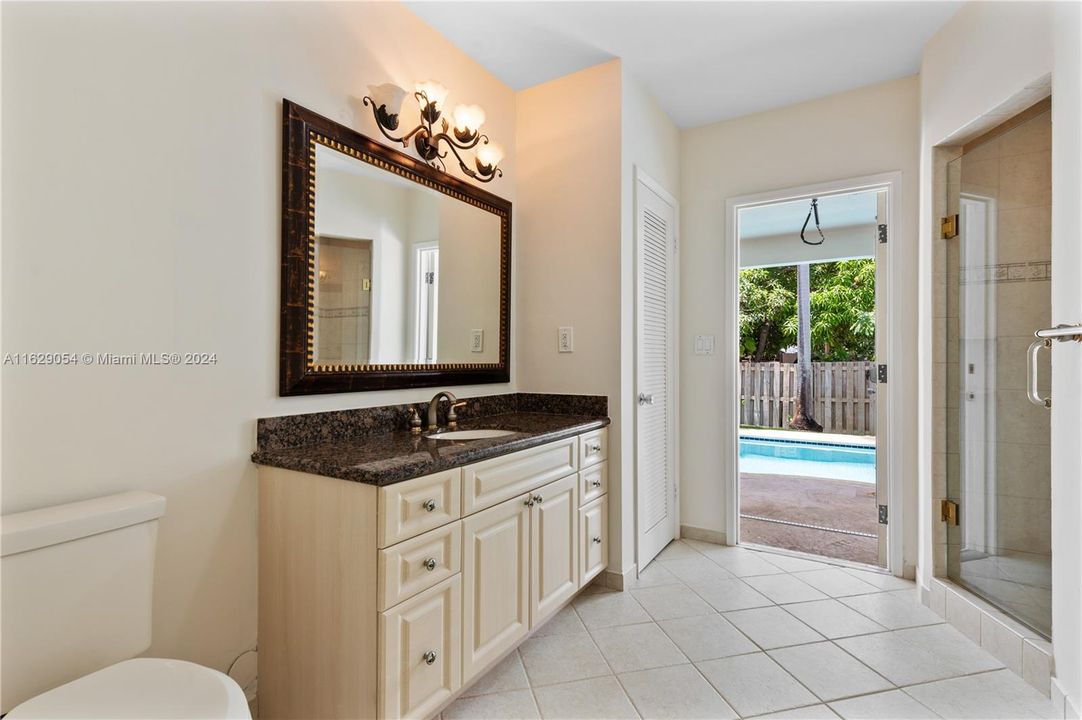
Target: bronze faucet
[452,417]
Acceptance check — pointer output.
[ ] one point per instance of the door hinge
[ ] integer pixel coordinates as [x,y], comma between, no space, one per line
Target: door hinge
[430,278]
[881,374]
[882,233]
[948,227]
[948,512]
[882,514]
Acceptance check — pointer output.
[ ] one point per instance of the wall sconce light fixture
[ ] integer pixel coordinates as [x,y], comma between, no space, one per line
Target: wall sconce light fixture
[429,137]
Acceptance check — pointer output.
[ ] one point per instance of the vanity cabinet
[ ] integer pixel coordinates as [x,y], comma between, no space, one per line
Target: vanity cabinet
[388,601]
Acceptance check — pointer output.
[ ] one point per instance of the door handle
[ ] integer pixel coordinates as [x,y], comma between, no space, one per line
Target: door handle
[645,399]
[1060,333]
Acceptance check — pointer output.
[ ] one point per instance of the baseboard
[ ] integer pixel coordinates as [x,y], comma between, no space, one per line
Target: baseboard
[705,535]
[614,580]
[1062,702]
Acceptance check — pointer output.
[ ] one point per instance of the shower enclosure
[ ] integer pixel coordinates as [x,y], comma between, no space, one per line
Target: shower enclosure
[998,273]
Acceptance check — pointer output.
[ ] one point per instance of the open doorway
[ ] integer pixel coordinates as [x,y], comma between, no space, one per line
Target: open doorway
[811,476]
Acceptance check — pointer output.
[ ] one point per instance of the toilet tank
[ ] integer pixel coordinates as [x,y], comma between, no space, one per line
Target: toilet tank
[76,585]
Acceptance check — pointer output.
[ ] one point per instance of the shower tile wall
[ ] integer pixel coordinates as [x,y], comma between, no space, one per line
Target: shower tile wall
[996,443]
[343,303]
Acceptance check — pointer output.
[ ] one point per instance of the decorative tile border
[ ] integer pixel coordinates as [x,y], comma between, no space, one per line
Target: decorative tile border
[1006,272]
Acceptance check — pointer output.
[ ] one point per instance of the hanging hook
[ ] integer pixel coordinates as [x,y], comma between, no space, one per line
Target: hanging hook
[813,210]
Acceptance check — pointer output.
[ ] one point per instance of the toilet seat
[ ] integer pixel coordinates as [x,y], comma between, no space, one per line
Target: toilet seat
[147,688]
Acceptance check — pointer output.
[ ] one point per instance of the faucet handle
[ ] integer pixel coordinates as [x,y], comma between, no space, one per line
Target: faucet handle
[452,416]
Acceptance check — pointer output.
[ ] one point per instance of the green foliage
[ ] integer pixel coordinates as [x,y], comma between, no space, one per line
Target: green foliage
[842,311]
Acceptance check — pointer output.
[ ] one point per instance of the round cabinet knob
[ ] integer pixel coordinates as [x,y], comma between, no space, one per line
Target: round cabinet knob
[596,447]
[538,499]
[597,540]
[429,657]
[529,502]
[430,564]
[429,505]
[596,483]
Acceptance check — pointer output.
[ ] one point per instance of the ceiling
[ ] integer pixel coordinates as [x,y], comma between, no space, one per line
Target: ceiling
[835,211]
[703,61]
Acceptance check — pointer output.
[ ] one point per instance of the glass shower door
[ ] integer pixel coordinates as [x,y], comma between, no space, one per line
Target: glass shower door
[998,295]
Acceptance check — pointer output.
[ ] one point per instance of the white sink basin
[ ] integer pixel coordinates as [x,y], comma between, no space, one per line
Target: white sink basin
[470,434]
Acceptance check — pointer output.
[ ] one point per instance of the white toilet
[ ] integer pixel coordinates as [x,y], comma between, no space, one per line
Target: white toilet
[77,583]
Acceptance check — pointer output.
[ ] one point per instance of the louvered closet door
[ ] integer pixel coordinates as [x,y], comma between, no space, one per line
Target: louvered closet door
[655,371]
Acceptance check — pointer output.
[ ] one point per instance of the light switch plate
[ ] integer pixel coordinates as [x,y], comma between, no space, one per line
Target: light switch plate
[704,344]
[477,340]
[565,339]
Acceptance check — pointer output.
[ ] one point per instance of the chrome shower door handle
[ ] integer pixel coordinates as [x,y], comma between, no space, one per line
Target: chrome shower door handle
[1031,372]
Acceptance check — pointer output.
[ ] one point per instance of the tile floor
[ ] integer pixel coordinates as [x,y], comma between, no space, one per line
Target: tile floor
[715,632]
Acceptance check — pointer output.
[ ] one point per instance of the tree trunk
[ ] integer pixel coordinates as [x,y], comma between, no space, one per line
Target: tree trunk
[802,419]
[764,334]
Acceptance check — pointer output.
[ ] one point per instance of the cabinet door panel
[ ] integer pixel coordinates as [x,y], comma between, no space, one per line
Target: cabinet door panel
[554,557]
[492,481]
[421,641]
[411,507]
[417,564]
[593,539]
[496,577]
[593,483]
[593,447]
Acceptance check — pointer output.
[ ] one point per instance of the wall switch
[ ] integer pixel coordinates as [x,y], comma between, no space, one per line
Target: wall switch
[477,340]
[704,344]
[566,340]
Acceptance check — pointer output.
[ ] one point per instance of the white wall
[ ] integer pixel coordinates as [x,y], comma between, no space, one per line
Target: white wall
[987,54]
[141,175]
[863,132]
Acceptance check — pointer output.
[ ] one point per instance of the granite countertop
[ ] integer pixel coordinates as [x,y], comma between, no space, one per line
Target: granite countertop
[390,457]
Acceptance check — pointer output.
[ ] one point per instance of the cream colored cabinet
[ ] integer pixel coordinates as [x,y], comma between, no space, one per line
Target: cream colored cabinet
[421,641]
[554,547]
[496,568]
[593,539]
[387,601]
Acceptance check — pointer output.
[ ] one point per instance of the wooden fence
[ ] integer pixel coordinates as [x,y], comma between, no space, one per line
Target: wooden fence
[843,395]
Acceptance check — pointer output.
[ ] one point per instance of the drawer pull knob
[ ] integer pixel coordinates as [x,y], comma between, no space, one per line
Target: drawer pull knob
[429,505]
[529,502]
[596,483]
[538,499]
[430,564]
[430,657]
[597,540]
[595,448]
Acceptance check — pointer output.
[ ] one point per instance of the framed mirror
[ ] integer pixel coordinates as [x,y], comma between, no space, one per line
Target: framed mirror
[394,274]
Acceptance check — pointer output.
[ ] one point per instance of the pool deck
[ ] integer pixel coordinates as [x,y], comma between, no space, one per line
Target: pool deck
[812,437]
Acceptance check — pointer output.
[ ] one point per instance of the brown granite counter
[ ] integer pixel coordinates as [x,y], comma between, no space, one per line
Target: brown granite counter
[384,458]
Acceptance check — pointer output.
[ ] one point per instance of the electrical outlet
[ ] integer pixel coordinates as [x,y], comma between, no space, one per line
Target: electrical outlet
[477,340]
[704,344]
[566,339]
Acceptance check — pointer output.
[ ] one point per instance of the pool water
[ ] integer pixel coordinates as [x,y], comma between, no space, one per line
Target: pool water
[785,457]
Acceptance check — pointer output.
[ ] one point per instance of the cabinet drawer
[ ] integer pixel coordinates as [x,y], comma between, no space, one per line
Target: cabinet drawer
[493,481]
[594,447]
[593,483]
[410,508]
[593,539]
[422,648]
[417,564]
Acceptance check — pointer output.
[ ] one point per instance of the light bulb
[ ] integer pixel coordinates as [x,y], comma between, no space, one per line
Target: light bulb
[387,95]
[489,155]
[434,91]
[469,118]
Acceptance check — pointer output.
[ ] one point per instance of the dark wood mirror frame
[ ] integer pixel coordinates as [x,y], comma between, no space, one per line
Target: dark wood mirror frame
[302,131]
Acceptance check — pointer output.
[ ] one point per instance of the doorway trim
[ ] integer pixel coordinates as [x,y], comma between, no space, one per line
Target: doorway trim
[885,447]
[640,176]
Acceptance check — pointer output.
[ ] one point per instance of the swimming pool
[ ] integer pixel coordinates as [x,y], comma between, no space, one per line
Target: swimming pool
[823,460]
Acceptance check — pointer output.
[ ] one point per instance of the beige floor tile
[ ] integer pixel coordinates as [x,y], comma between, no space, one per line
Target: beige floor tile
[561,658]
[666,602]
[789,563]
[835,582]
[988,696]
[832,619]
[675,692]
[515,705]
[655,574]
[772,627]
[508,674]
[697,571]
[743,563]
[918,655]
[565,622]
[637,647]
[755,684]
[892,610]
[811,712]
[828,671]
[707,637]
[882,580]
[890,705]
[677,550]
[784,588]
[599,698]
[609,609]
[735,594]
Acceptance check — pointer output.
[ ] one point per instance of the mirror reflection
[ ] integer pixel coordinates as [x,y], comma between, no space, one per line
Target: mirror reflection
[404,273]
